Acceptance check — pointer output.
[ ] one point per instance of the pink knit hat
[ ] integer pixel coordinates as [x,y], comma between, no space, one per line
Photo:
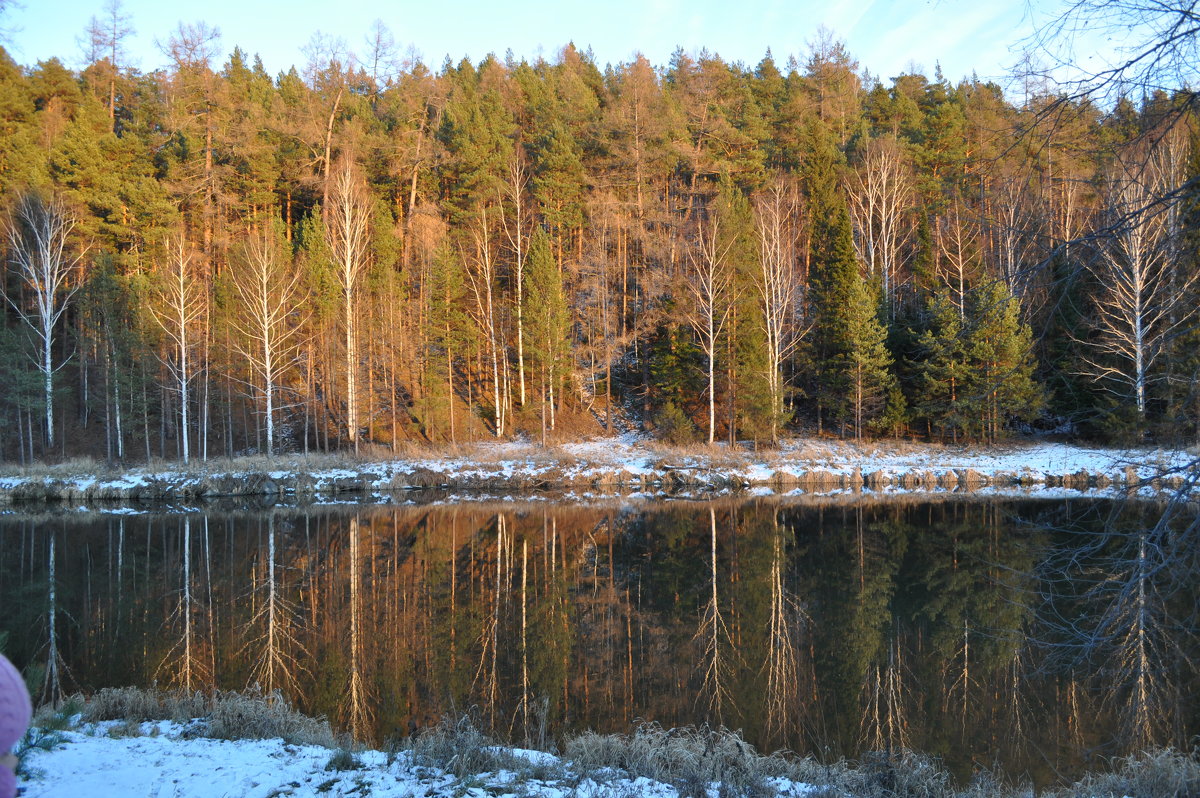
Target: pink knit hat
[15,711]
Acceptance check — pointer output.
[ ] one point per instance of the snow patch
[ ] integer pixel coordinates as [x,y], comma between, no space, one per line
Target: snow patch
[103,760]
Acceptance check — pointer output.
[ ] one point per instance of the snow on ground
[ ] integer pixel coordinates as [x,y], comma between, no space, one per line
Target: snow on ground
[102,761]
[1045,458]
[636,464]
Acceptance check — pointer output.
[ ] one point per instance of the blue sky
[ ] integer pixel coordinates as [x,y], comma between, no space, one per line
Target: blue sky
[984,36]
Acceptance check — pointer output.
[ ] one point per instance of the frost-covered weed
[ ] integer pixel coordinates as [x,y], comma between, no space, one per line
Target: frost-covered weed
[1164,773]
[222,715]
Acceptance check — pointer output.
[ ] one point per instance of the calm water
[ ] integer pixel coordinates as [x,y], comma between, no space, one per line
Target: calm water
[1034,635]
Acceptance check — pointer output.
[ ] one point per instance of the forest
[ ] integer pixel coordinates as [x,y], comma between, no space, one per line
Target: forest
[364,253]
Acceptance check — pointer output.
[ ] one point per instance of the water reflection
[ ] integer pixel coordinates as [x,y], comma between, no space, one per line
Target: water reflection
[1031,634]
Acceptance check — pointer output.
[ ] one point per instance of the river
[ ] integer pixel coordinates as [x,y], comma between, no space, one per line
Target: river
[1027,634]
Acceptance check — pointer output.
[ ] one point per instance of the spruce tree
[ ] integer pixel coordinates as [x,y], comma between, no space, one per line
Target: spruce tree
[447,336]
[975,370]
[829,254]
[548,319]
[853,364]
[999,347]
[874,400]
[941,369]
[676,367]
[746,361]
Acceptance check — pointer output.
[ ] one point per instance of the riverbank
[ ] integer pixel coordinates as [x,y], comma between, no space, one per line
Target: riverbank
[621,465]
[135,742]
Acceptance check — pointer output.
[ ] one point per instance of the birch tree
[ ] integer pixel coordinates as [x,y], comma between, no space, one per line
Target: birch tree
[39,232]
[881,197]
[780,665]
[357,713]
[1139,304]
[778,285]
[348,237]
[709,282]
[482,277]
[957,254]
[52,687]
[179,306]
[268,318]
[1015,229]
[187,662]
[515,230]
[1120,599]
[718,655]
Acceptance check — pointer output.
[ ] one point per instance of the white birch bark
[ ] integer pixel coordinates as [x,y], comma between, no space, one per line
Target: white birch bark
[38,237]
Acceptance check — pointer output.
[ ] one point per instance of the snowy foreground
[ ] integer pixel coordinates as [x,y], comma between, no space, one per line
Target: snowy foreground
[101,760]
[629,465]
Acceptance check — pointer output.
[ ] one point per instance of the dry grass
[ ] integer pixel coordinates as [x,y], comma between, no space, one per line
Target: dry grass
[87,466]
[72,467]
[1165,773]
[906,774]
[458,747]
[902,774]
[690,759]
[222,715]
[697,762]
[716,454]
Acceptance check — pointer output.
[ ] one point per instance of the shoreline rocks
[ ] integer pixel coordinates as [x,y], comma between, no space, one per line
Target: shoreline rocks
[662,476]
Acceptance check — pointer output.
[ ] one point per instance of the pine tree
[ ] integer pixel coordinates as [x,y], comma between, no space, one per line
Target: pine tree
[20,156]
[558,182]
[476,130]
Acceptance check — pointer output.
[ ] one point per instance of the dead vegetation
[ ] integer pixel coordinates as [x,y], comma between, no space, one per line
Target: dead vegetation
[689,759]
[698,762]
[217,715]
[458,747]
[1163,773]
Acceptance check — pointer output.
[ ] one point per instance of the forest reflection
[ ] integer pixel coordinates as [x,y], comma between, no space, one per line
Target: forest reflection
[1028,634]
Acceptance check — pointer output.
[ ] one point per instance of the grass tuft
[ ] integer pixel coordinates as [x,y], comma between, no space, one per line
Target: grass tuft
[343,759]
[223,715]
[703,762]
[457,746]
[1164,773]
[689,759]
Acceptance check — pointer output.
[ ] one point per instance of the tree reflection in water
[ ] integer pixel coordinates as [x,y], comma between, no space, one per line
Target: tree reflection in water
[1027,633]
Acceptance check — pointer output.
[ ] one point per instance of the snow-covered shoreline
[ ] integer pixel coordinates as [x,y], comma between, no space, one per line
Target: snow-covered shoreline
[104,760]
[114,759]
[117,743]
[615,466]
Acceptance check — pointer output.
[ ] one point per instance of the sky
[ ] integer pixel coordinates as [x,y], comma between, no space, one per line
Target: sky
[964,37]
